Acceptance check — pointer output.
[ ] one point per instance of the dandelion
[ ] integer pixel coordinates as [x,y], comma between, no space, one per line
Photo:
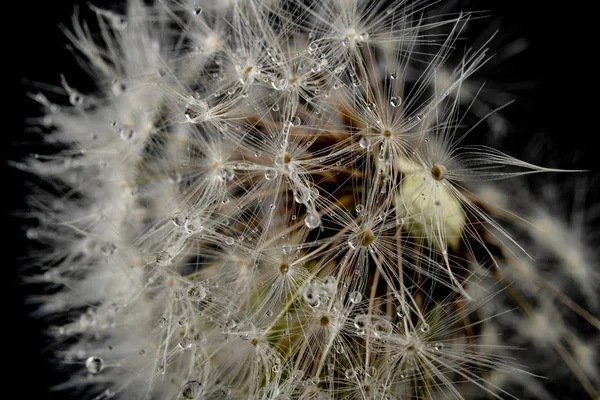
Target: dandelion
[278,200]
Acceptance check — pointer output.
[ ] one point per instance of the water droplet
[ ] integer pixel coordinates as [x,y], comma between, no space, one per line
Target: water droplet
[382,327]
[75,98]
[107,249]
[186,343]
[94,364]
[425,328]
[196,111]
[310,294]
[312,220]
[286,248]
[394,75]
[355,81]
[360,322]
[231,324]
[312,48]
[127,133]
[229,241]
[163,258]
[179,219]
[296,121]
[270,174]
[301,195]
[371,106]
[359,209]
[197,10]
[192,390]
[338,70]
[275,107]
[395,101]
[193,226]
[355,297]
[439,346]
[329,286]
[350,373]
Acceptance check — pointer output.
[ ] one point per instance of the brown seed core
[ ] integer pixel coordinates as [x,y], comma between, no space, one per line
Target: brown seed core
[366,237]
[438,172]
[324,321]
[287,157]
[284,268]
[387,133]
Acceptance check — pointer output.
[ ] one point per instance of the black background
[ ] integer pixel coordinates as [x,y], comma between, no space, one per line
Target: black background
[562,107]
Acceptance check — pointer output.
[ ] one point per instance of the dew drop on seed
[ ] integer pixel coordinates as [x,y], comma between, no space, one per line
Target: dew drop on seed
[394,75]
[395,101]
[192,390]
[197,10]
[231,324]
[94,364]
[360,322]
[425,328]
[312,220]
[229,241]
[286,248]
[108,249]
[355,297]
[355,81]
[179,219]
[359,209]
[186,343]
[275,107]
[196,110]
[363,143]
[270,174]
[75,98]
[301,195]
[127,133]
[310,294]
[163,258]
[371,106]
[439,346]
[296,121]
[350,373]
